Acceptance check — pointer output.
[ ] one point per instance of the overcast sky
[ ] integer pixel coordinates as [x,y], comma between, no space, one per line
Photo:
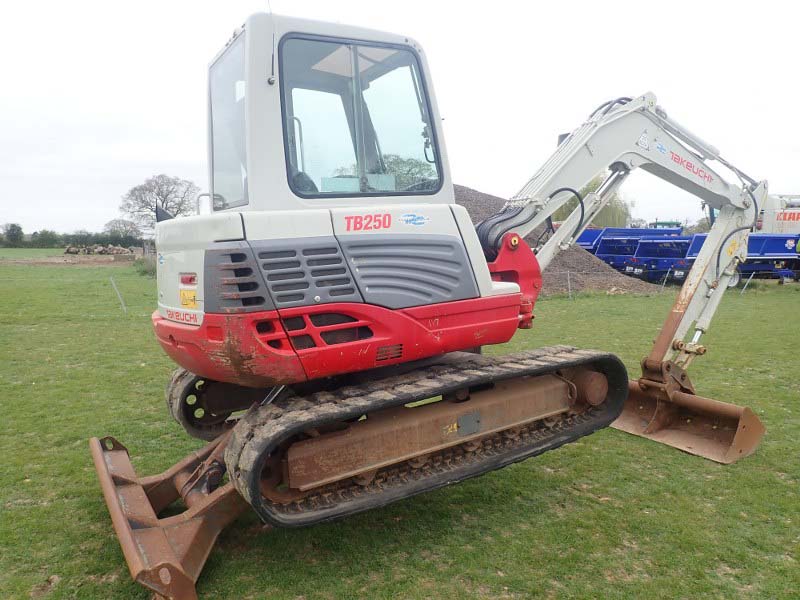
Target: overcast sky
[97,96]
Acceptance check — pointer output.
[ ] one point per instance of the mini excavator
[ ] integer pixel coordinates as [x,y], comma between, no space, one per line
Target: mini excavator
[327,309]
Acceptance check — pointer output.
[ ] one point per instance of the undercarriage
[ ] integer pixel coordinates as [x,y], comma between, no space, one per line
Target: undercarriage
[302,459]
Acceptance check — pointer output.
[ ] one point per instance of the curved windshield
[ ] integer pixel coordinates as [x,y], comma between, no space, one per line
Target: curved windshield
[352,135]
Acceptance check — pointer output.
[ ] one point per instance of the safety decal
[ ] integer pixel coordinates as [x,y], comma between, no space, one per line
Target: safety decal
[189,298]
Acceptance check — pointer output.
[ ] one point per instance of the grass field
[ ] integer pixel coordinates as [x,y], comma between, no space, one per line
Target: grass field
[612,516]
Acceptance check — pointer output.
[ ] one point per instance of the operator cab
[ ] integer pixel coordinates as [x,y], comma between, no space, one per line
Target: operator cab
[318,119]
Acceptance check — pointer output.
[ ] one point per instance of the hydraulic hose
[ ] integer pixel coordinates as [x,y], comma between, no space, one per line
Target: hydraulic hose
[609,105]
[577,194]
[737,230]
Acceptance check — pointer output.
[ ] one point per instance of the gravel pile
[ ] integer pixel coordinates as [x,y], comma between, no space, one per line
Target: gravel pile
[586,272]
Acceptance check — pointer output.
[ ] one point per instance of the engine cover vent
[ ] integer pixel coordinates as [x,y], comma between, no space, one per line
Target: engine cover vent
[389,352]
[403,270]
[231,282]
[305,271]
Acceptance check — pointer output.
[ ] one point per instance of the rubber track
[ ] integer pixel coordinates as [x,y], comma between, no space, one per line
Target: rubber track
[264,427]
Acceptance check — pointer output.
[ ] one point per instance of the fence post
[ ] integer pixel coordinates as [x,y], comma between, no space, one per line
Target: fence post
[663,283]
[746,283]
[569,286]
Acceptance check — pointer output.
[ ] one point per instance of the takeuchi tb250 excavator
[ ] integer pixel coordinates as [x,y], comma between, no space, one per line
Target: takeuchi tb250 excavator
[328,309]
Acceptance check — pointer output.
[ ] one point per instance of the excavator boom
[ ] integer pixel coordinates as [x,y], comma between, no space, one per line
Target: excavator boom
[620,136]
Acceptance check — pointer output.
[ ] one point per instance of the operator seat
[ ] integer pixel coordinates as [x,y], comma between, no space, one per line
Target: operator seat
[303,183]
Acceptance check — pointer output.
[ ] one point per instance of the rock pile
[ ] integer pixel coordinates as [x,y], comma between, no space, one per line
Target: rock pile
[586,271]
[99,249]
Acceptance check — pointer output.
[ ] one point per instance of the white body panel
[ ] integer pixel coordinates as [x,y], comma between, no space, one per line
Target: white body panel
[274,211]
[182,242]
[181,245]
[287,224]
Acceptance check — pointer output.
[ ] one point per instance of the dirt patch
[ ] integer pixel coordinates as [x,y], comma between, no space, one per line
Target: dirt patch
[120,260]
[586,272]
[44,588]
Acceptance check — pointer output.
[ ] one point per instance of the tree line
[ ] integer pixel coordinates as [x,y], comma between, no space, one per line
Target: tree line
[174,195]
[118,232]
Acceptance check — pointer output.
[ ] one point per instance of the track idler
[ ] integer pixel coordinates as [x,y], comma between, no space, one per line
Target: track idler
[203,407]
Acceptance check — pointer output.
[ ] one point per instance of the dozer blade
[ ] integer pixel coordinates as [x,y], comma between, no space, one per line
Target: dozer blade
[166,555]
[715,430]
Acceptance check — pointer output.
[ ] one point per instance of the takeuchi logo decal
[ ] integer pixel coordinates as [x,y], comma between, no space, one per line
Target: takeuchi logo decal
[691,167]
[414,219]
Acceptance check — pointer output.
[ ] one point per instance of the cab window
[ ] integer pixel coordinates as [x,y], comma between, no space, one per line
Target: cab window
[356,120]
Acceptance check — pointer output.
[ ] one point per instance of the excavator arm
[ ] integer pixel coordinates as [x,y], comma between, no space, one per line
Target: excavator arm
[620,136]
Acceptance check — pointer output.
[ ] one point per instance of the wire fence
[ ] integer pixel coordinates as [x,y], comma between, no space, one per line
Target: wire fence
[576,282]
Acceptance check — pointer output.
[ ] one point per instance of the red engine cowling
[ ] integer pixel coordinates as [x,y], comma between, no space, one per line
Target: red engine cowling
[262,349]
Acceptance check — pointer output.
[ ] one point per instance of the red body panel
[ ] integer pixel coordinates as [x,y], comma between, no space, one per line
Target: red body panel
[517,263]
[256,349]
[267,348]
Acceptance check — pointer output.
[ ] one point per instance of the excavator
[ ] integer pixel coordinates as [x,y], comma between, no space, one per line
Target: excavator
[327,307]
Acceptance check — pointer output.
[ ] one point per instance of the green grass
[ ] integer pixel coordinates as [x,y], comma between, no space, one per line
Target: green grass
[612,516]
[18,253]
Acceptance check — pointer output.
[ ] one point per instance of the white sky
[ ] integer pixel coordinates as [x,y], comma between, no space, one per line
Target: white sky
[97,96]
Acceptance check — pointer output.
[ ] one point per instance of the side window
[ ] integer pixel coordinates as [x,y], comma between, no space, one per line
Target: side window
[321,148]
[228,153]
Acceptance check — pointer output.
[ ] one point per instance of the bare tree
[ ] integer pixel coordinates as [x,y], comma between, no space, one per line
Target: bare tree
[172,194]
[122,228]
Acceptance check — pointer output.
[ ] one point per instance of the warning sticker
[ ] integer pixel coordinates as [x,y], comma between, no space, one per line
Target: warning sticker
[189,298]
